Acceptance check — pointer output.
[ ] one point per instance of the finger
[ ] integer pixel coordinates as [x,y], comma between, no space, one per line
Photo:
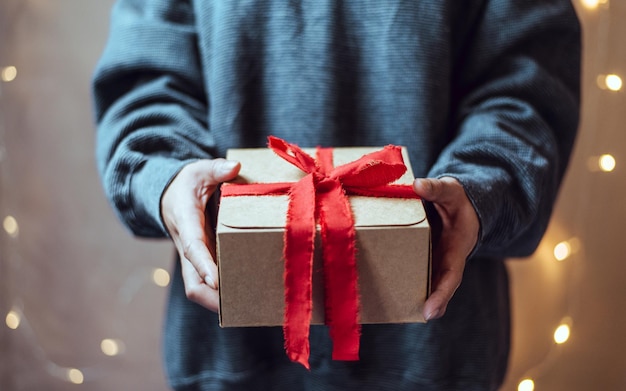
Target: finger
[427,188]
[449,257]
[194,185]
[184,205]
[191,240]
[193,246]
[196,290]
[446,284]
[439,191]
[217,171]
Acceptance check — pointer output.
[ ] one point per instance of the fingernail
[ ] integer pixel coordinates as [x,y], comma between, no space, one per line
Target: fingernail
[423,183]
[210,282]
[434,314]
[227,166]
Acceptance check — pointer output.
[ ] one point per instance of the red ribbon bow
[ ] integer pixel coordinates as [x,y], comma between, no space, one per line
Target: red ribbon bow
[321,196]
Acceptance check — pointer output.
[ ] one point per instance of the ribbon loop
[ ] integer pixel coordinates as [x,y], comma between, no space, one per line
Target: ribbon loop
[293,154]
[372,170]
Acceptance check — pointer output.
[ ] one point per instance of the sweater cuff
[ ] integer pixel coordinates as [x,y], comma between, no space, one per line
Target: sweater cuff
[485,191]
[147,186]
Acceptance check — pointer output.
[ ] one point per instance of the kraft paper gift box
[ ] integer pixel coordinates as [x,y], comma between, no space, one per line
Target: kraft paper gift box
[393,248]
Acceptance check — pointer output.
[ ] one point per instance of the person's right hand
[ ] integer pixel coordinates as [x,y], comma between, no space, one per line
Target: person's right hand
[183,207]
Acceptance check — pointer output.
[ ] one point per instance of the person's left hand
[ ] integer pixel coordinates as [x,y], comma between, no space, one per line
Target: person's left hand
[453,244]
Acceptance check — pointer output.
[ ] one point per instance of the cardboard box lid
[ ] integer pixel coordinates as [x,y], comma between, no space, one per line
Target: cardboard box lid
[264,166]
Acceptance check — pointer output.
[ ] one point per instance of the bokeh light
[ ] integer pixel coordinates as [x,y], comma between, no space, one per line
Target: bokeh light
[607,163]
[526,385]
[610,82]
[160,277]
[562,250]
[111,347]
[13,320]
[561,334]
[10,226]
[592,4]
[75,376]
[8,73]
[613,82]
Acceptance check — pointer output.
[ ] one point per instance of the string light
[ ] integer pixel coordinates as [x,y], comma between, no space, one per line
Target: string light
[610,82]
[160,277]
[562,251]
[8,73]
[111,347]
[607,163]
[18,320]
[613,82]
[593,4]
[75,376]
[13,319]
[10,226]
[526,385]
[561,334]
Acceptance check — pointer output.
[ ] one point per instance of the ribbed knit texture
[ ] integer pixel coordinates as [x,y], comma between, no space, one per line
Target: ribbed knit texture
[485,91]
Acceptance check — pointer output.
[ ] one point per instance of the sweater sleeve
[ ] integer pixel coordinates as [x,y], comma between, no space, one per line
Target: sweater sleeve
[150,107]
[516,88]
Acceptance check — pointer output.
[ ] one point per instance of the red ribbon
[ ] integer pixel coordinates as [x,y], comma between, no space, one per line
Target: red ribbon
[322,196]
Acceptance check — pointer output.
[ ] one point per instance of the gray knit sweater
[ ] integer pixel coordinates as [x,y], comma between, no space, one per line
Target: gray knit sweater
[486,91]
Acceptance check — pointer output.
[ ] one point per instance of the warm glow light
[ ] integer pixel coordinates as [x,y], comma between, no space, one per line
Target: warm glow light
[574,244]
[526,385]
[592,4]
[10,226]
[8,73]
[13,320]
[561,334]
[609,82]
[161,277]
[75,376]
[607,163]
[111,347]
[562,251]
[613,82]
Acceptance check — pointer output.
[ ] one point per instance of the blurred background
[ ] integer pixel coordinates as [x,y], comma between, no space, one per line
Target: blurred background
[81,301]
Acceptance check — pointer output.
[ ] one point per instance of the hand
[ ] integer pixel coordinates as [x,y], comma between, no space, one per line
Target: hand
[453,240]
[183,208]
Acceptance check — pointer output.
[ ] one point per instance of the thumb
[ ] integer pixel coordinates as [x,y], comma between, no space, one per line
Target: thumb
[429,189]
[224,170]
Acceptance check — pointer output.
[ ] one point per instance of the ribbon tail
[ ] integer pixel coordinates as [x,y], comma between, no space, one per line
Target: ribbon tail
[340,273]
[298,253]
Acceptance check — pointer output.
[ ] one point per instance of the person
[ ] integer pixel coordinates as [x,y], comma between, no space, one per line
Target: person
[485,95]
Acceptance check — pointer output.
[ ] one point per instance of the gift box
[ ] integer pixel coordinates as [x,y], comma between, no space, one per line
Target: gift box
[391,240]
